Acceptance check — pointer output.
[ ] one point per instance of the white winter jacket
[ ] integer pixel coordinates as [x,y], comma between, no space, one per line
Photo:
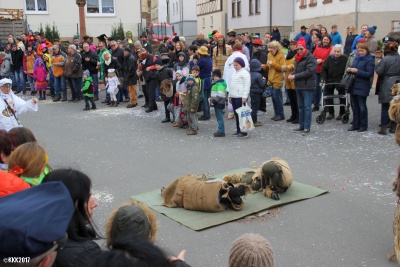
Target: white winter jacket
[240,84]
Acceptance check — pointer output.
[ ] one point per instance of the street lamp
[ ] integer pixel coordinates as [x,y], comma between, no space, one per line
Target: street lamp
[82,23]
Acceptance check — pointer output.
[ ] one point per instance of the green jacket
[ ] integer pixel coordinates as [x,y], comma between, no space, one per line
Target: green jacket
[192,99]
[218,93]
[87,89]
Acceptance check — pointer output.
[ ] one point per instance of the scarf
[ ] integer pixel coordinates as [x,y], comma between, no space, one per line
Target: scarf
[107,62]
[299,58]
[291,54]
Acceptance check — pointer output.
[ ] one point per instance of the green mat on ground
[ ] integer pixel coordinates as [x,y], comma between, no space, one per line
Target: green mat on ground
[254,203]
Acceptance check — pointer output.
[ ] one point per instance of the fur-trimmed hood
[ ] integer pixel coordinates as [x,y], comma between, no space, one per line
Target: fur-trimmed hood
[134,219]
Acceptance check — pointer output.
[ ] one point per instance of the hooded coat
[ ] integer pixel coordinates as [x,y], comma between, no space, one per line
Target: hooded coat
[180,65]
[6,66]
[257,82]
[389,68]
[304,72]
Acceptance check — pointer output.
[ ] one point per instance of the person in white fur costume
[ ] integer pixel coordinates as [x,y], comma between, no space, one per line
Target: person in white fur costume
[11,106]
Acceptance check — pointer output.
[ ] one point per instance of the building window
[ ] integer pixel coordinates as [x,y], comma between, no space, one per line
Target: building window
[251,7]
[233,8]
[36,7]
[177,7]
[204,22]
[100,7]
[258,3]
[239,8]
[212,20]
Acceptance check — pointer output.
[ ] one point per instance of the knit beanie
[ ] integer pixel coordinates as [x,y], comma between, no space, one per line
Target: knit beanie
[251,250]
[190,78]
[87,72]
[240,61]
[372,30]
[217,72]
[158,61]
[302,42]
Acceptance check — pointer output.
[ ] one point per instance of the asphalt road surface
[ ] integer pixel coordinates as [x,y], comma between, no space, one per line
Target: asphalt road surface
[128,152]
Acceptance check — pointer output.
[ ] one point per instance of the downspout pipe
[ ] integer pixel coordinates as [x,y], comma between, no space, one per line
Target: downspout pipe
[356,15]
[270,16]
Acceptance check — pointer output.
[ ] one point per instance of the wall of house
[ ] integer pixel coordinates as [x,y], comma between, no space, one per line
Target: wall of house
[342,13]
[66,19]
[217,22]
[185,20]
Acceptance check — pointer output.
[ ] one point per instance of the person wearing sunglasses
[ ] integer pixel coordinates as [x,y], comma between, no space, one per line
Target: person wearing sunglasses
[34,223]
[305,68]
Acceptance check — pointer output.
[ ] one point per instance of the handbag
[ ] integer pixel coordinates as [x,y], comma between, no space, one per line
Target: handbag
[347,81]
[245,121]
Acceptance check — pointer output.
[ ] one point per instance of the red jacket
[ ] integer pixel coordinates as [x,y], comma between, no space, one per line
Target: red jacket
[321,52]
[10,183]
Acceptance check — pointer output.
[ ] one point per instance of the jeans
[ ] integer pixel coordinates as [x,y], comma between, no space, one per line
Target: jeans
[157,93]
[76,87]
[255,105]
[51,82]
[59,86]
[192,120]
[89,99]
[317,91]
[31,83]
[304,101]
[19,79]
[95,78]
[277,102]
[385,114]
[360,111]
[236,103]
[206,104]
[219,113]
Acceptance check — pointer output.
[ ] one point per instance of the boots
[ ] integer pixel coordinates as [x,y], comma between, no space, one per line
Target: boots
[86,107]
[112,103]
[393,126]
[382,131]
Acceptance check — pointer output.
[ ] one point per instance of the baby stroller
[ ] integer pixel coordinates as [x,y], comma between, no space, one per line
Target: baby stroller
[334,102]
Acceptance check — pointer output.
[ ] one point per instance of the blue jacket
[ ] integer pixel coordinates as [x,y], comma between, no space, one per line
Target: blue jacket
[353,47]
[306,37]
[205,65]
[336,38]
[365,66]
[257,83]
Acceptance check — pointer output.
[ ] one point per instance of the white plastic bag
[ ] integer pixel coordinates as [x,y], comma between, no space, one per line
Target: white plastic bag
[245,121]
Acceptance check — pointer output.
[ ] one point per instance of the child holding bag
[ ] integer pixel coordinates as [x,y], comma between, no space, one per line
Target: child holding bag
[239,91]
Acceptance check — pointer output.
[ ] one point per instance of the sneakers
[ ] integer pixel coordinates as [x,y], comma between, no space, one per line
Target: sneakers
[330,116]
[175,124]
[86,108]
[305,132]
[202,118]
[191,132]
[242,135]
[257,124]
[131,105]
[298,130]
[165,120]
[64,99]
[339,117]
[260,112]
[217,134]
[315,109]
[296,121]
[279,118]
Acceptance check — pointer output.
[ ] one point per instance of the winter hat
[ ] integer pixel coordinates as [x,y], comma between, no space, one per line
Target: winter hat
[179,72]
[251,250]
[190,78]
[175,39]
[181,54]
[111,70]
[87,72]
[372,30]
[43,45]
[257,42]
[158,61]
[217,72]
[240,61]
[5,81]
[302,42]
[361,40]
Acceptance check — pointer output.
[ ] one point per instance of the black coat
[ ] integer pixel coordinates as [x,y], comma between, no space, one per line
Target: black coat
[77,254]
[114,64]
[118,53]
[152,73]
[90,65]
[164,74]
[333,69]
[348,43]
[130,68]
[17,58]
[261,55]
[304,72]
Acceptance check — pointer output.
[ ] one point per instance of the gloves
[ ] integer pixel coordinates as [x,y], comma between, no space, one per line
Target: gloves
[275,196]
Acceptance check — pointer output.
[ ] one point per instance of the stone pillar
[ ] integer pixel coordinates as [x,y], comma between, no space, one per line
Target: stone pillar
[82,20]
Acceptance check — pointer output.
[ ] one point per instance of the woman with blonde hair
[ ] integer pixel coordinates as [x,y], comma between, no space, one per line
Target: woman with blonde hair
[179,47]
[275,61]
[29,162]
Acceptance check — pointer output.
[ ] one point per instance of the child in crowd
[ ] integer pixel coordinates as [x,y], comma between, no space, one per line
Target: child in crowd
[218,98]
[191,104]
[166,93]
[40,75]
[87,90]
[256,89]
[196,72]
[112,87]
[179,88]
[182,63]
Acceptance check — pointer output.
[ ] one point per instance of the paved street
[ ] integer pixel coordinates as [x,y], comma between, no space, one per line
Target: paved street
[127,152]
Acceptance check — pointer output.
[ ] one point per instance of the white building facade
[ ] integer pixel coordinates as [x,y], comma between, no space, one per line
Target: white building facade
[382,13]
[182,15]
[158,11]
[256,16]
[211,15]
[101,15]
